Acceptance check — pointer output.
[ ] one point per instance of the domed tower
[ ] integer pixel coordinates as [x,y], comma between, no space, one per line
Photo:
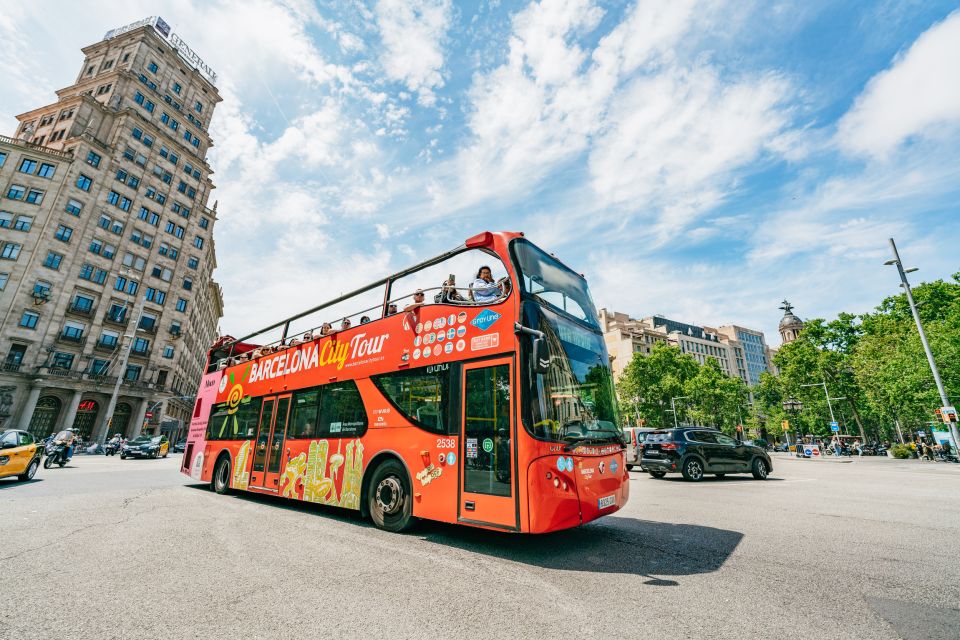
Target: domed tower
[790,325]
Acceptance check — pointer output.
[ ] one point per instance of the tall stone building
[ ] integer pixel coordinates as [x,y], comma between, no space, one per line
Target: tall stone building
[106,242]
[739,351]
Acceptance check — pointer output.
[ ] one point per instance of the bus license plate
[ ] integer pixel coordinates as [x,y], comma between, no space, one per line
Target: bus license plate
[606,501]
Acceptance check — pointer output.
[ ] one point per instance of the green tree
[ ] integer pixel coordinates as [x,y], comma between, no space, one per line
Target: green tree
[649,382]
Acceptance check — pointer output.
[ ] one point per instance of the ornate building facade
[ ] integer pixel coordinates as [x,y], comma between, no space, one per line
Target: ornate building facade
[106,243]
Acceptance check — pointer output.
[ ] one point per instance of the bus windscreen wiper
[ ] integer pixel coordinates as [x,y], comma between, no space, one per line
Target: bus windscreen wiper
[612,438]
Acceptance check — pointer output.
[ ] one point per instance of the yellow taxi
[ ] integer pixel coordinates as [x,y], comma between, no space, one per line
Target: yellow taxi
[19,454]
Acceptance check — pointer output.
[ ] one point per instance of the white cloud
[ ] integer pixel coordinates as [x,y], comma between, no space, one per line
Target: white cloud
[413,34]
[918,96]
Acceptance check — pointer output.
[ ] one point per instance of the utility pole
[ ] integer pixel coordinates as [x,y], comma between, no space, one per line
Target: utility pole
[923,337]
[673,408]
[108,414]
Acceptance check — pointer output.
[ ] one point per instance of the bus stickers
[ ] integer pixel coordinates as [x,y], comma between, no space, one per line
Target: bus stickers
[333,352]
[241,476]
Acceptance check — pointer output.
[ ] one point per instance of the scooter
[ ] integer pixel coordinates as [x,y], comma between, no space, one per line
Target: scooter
[56,454]
[112,447]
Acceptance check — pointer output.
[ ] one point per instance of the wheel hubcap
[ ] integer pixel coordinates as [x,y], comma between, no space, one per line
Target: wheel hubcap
[389,495]
[695,470]
[762,469]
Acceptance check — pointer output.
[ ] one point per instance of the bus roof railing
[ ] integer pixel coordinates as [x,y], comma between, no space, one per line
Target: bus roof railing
[285,323]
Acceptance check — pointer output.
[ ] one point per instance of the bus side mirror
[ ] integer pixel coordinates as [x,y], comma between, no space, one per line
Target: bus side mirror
[541,357]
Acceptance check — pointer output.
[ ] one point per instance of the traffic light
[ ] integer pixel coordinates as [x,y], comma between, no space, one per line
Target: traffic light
[939,414]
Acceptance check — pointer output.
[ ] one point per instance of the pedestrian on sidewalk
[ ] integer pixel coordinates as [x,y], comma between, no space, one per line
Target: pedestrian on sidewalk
[835,443]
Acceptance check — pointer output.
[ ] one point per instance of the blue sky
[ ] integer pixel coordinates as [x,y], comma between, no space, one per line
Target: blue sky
[699,160]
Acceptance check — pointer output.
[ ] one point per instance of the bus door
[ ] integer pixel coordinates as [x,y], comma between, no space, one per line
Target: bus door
[268,452]
[488,493]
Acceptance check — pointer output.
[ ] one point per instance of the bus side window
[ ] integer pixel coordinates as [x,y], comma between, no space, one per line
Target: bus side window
[421,396]
[342,414]
[303,422]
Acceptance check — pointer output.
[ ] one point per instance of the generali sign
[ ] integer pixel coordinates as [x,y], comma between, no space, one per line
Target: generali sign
[161,27]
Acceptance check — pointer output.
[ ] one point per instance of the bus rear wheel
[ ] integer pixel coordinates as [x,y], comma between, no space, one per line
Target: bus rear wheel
[221,476]
[388,497]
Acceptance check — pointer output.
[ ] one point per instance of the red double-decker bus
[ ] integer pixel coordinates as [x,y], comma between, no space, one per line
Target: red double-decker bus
[472,388]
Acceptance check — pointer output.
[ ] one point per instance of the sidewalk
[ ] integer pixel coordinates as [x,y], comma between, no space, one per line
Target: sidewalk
[833,459]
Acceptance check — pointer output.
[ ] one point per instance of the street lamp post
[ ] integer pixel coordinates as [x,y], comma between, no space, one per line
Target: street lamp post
[112,404]
[673,408]
[792,407]
[923,336]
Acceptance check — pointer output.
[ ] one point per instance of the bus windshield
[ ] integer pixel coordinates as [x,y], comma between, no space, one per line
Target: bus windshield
[574,402]
[549,282]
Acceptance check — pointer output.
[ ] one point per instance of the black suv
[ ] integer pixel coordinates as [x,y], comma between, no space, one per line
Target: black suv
[695,451]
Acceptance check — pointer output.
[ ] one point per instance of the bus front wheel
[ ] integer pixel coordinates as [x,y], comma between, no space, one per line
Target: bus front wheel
[388,497]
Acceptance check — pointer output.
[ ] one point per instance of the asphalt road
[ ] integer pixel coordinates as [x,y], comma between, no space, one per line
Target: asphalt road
[131,549]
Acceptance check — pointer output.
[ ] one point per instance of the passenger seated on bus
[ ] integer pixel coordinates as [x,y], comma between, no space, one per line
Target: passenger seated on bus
[294,342]
[222,364]
[484,289]
[242,358]
[256,353]
[417,301]
[326,329]
[391,309]
[364,319]
[448,292]
[345,324]
[307,337]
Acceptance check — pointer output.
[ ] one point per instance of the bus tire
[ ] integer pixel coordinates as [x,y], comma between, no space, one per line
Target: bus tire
[220,482]
[389,500]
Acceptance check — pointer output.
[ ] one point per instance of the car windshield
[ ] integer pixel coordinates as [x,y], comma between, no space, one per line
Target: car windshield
[574,401]
[141,440]
[546,280]
[156,440]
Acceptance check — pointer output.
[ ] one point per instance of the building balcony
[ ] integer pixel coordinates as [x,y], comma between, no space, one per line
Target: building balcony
[106,347]
[117,322]
[58,372]
[11,367]
[151,329]
[140,353]
[86,312]
[68,339]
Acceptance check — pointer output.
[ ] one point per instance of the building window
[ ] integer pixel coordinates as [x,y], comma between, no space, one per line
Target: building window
[46,170]
[29,320]
[53,260]
[4,278]
[132,373]
[198,107]
[177,88]
[73,207]
[27,166]
[152,67]
[16,192]
[3,158]
[62,360]
[63,233]
[198,242]
[84,182]
[99,367]
[10,251]
[193,262]
[73,331]
[141,345]
[187,284]
[181,304]
[117,312]
[168,352]
[204,223]
[93,159]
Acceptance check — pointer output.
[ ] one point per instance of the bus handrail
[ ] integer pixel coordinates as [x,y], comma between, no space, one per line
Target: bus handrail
[356,292]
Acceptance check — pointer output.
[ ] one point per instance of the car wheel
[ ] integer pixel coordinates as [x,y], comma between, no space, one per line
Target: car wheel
[657,474]
[631,467]
[760,469]
[692,470]
[123,457]
[221,476]
[389,499]
[720,475]
[31,470]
